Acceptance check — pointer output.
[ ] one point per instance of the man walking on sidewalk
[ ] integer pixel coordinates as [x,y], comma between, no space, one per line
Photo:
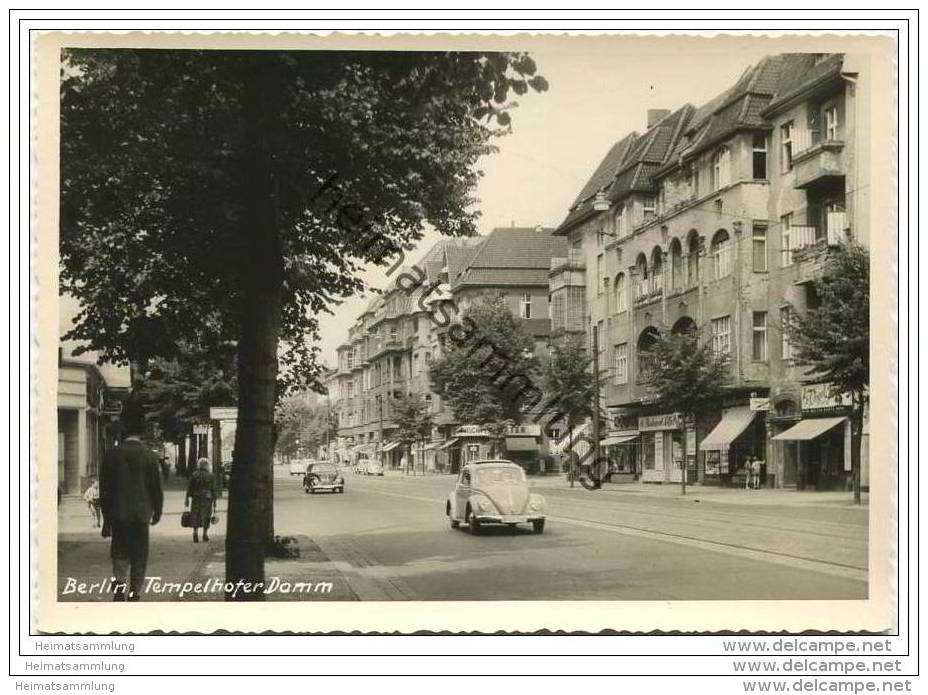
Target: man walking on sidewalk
[131,498]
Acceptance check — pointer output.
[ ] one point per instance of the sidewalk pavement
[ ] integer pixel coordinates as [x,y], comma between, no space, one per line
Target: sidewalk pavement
[180,570]
[781,497]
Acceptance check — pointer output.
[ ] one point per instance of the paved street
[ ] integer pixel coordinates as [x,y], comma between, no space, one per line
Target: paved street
[390,538]
[387,538]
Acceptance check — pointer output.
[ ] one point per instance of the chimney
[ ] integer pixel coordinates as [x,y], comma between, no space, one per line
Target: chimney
[655,115]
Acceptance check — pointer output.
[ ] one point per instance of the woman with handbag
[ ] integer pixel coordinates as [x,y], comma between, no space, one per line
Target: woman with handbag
[200,492]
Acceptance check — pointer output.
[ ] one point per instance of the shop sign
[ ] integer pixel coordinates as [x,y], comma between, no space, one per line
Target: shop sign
[525,430]
[760,404]
[201,429]
[625,423]
[471,431]
[223,413]
[666,421]
[623,433]
[820,397]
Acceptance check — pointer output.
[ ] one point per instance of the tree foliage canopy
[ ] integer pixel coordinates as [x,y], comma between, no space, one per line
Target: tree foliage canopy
[412,418]
[483,378]
[682,372]
[179,392]
[363,149]
[302,425]
[833,336]
[568,377]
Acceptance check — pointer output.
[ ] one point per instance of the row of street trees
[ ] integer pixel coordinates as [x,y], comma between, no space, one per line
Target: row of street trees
[302,426]
[213,198]
[681,370]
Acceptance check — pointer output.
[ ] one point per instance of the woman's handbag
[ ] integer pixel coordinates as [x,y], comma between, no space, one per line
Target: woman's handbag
[214,519]
[186,520]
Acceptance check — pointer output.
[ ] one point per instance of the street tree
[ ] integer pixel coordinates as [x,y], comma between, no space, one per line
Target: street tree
[301,425]
[413,421]
[177,393]
[683,374]
[569,381]
[240,193]
[832,336]
[484,376]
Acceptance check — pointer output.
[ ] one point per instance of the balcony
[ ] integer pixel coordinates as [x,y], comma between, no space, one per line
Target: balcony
[645,293]
[808,245]
[816,161]
[572,261]
[387,346]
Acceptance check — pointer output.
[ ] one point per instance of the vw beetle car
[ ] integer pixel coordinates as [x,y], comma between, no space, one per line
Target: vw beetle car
[323,476]
[494,492]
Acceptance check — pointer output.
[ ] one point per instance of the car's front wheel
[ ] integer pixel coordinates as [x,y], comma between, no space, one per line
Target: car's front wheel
[538,525]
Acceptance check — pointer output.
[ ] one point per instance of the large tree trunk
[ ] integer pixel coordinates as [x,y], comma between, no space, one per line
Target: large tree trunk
[250,526]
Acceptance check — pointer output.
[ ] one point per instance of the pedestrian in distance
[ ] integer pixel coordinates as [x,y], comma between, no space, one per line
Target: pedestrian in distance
[92,498]
[748,468]
[131,499]
[755,473]
[200,496]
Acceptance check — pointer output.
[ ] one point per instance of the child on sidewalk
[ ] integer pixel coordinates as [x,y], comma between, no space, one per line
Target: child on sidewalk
[92,498]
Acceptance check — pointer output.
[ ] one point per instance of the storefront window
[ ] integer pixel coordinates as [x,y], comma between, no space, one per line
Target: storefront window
[647,452]
[677,448]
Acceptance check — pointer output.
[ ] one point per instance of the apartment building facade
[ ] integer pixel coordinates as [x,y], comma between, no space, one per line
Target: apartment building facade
[392,343]
[716,219]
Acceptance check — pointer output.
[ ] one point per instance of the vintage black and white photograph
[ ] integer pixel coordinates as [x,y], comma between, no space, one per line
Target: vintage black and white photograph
[580,319]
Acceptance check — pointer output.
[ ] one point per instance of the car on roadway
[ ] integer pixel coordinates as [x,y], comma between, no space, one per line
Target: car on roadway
[373,467]
[494,492]
[360,466]
[322,475]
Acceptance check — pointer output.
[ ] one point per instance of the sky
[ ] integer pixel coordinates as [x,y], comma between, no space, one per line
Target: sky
[598,93]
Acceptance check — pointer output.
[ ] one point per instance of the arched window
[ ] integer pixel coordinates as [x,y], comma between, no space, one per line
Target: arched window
[692,259]
[721,169]
[676,265]
[647,339]
[641,286]
[721,254]
[621,293]
[684,325]
[657,269]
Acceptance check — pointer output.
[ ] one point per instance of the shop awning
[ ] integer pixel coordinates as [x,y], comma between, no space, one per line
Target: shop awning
[391,446]
[809,428]
[521,444]
[450,443]
[734,422]
[618,439]
[430,445]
